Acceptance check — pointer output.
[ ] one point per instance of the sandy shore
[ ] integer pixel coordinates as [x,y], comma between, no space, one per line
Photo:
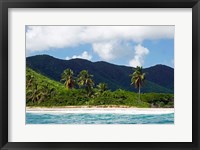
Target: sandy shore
[86,109]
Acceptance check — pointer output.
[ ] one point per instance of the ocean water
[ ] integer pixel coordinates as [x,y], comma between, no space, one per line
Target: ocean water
[99,118]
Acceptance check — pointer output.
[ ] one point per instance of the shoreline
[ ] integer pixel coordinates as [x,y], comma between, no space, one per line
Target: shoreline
[100,110]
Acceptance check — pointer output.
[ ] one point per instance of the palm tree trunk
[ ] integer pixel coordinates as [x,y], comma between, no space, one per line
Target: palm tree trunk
[139,93]
[67,88]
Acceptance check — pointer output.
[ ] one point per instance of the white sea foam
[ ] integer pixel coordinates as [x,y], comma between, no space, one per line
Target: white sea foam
[102,110]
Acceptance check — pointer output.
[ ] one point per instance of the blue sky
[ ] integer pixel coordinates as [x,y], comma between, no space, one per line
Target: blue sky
[122,45]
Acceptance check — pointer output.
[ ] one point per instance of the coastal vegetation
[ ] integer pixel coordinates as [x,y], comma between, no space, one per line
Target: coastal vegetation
[81,90]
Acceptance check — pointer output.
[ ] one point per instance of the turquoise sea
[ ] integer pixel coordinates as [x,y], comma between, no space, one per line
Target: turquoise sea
[92,118]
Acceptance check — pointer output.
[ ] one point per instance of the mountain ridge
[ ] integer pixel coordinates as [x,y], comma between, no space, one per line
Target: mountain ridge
[45,55]
[160,78]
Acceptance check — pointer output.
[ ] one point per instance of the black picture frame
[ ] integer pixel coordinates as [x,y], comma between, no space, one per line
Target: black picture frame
[6,4]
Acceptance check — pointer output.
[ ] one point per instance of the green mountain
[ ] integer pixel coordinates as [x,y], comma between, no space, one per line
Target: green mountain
[159,78]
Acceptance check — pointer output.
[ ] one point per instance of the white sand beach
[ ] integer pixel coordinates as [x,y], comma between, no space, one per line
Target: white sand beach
[99,110]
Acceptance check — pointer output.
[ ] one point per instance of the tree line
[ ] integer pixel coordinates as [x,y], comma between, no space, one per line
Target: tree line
[42,91]
[84,80]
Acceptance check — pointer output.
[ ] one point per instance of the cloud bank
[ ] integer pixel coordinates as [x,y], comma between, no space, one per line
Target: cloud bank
[84,55]
[108,42]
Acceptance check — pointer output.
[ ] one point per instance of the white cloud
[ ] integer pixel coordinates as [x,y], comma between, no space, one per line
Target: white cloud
[104,50]
[140,50]
[84,55]
[140,53]
[67,58]
[39,38]
[135,62]
[111,50]
[108,42]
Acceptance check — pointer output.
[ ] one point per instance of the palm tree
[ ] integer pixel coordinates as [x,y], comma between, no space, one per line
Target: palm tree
[67,76]
[102,87]
[85,80]
[137,78]
[32,94]
[30,80]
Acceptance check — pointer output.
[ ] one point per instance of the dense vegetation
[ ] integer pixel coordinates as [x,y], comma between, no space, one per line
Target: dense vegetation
[81,90]
[159,78]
